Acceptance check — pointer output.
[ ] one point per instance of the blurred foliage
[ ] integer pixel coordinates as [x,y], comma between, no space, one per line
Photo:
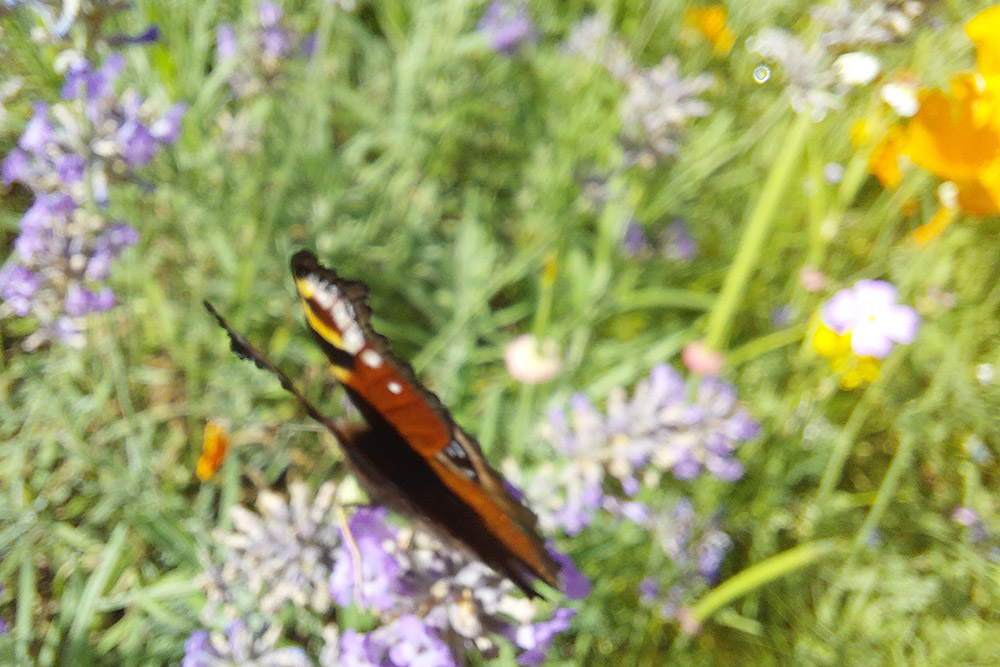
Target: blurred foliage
[408,154]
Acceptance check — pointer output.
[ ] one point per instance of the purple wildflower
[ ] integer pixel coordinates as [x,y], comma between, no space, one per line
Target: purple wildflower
[241,646]
[634,243]
[658,430]
[868,312]
[696,550]
[416,645]
[355,651]
[198,651]
[66,162]
[225,42]
[507,27]
[258,52]
[374,587]
[680,244]
[575,584]
[17,286]
[286,552]
[537,638]
[37,133]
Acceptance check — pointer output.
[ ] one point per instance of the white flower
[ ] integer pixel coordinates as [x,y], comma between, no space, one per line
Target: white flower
[857,68]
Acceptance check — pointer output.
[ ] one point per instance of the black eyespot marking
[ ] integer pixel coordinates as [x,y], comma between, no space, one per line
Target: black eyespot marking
[457,455]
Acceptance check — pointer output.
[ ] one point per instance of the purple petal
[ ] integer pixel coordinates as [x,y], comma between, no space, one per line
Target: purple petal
[225,42]
[136,144]
[575,584]
[37,133]
[70,168]
[15,166]
[840,313]
[166,129]
[17,285]
[268,13]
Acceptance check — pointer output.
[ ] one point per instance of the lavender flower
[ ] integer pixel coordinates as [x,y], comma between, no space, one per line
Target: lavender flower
[593,41]
[58,18]
[696,555]
[680,245]
[257,53]
[868,312]
[3,624]
[241,646]
[657,430]
[65,251]
[430,600]
[634,243]
[286,553]
[657,106]
[658,101]
[808,72]
[413,575]
[507,27]
[872,22]
[68,154]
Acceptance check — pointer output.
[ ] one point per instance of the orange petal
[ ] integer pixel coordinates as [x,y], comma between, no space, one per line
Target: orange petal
[933,228]
[883,163]
[944,138]
[213,450]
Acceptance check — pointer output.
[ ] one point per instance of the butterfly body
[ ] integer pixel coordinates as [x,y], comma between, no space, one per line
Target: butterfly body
[410,454]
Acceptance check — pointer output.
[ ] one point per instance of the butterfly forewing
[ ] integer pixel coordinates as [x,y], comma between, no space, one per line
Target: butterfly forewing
[445,477]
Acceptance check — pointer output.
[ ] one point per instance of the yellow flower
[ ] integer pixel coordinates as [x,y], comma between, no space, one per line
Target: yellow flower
[884,160]
[852,369]
[956,136]
[710,21]
[948,138]
[213,450]
[984,31]
[933,228]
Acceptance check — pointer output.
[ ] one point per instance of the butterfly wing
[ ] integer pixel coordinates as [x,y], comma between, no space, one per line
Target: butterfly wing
[437,468]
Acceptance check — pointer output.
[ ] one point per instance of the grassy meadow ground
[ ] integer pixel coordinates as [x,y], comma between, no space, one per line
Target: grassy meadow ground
[485,194]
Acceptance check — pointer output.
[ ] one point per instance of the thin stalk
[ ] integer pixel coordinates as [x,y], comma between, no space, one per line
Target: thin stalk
[757,230]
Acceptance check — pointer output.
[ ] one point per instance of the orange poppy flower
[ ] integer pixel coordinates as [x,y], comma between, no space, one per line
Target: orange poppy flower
[213,450]
[710,21]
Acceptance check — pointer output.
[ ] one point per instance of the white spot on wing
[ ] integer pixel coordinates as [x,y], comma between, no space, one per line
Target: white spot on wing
[353,338]
[395,388]
[371,358]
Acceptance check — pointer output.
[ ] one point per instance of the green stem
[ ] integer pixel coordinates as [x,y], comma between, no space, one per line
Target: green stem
[757,230]
[886,491]
[761,573]
[847,437]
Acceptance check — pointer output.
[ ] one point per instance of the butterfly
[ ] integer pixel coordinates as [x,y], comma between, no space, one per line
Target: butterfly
[409,453]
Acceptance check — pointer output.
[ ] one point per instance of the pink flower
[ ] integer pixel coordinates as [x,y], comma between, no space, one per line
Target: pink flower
[868,312]
[811,278]
[701,359]
[531,363]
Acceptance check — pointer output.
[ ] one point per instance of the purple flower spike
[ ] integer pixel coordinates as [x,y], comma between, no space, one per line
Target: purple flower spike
[198,651]
[166,129]
[225,42]
[868,312]
[418,646]
[575,584]
[506,27]
[634,243]
[17,286]
[538,637]
[38,132]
